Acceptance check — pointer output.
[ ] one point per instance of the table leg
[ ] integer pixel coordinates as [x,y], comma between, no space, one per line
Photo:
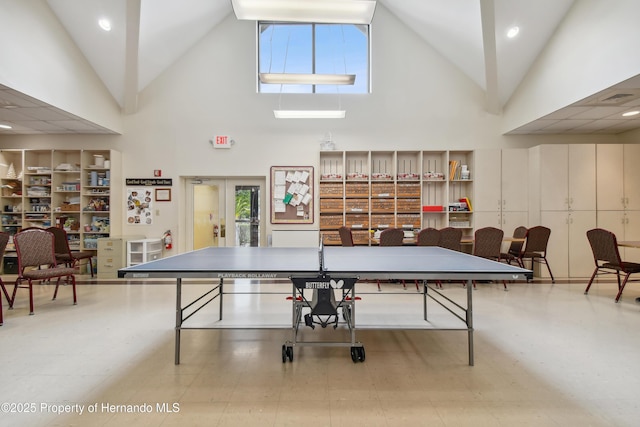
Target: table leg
[470,319]
[178,318]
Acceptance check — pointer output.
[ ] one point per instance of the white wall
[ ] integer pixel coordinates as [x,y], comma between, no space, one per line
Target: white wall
[39,59]
[420,101]
[594,48]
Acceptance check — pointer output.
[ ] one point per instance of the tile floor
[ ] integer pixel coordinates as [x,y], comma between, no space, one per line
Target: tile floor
[545,355]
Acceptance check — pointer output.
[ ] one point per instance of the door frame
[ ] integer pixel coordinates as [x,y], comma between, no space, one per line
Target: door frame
[227,186]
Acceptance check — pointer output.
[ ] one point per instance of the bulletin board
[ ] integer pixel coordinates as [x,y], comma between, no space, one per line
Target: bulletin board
[292,194]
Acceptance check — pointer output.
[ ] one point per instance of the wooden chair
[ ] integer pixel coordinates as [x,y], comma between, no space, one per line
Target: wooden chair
[535,248]
[487,243]
[607,259]
[451,238]
[393,237]
[64,254]
[4,240]
[346,237]
[428,237]
[37,261]
[515,248]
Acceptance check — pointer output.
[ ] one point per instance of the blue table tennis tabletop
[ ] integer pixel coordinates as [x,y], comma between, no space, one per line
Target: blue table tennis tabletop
[370,262]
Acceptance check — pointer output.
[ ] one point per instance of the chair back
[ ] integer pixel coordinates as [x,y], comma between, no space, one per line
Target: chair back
[451,238]
[516,247]
[488,242]
[537,240]
[34,248]
[346,237]
[428,237]
[4,240]
[391,237]
[604,246]
[61,242]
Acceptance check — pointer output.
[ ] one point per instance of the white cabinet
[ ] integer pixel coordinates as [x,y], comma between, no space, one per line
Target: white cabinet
[618,193]
[501,188]
[567,177]
[144,250]
[568,250]
[618,177]
[566,203]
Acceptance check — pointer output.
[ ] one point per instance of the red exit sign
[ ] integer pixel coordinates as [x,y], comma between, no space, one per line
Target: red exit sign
[222,141]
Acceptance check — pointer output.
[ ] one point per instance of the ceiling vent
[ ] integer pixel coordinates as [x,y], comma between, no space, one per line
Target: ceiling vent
[611,98]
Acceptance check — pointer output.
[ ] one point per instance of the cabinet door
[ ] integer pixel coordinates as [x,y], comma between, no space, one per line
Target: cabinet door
[512,220]
[554,177]
[581,262]
[515,180]
[487,219]
[582,177]
[632,176]
[609,177]
[487,181]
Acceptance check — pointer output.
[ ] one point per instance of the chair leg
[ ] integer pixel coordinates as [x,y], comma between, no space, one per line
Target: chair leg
[91,266]
[379,286]
[73,286]
[624,282]
[30,298]
[593,276]
[13,294]
[4,290]
[549,269]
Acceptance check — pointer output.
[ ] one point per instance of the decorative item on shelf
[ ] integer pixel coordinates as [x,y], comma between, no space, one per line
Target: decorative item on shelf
[408,176]
[357,175]
[434,176]
[11,172]
[97,205]
[381,176]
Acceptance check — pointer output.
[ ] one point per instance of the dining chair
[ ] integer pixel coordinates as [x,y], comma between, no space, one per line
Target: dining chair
[64,254]
[37,261]
[487,243]
[515,248]
[393,237]
[606,256]
[535,248]
[428,237]
[346,236]
[451,238]
[4,240]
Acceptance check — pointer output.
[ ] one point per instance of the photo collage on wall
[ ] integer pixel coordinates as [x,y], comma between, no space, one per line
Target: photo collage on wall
[139,206]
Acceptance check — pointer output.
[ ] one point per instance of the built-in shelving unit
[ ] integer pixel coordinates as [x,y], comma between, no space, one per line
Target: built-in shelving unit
[373,190]
[70,189]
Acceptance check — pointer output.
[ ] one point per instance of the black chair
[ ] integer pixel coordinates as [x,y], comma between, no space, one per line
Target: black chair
[64,254]
[428,237]
[607,258]
[37,261]
[346,236]
[515,248]
[4,240]
[451,238]
[535,248]
[487,243]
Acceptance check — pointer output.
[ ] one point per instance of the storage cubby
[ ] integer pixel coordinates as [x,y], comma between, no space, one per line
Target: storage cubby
[405,189]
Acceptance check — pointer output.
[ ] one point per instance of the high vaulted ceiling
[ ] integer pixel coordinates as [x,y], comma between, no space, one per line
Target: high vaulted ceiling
[469,33]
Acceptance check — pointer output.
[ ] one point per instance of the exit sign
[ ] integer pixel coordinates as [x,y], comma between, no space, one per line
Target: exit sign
[222,141]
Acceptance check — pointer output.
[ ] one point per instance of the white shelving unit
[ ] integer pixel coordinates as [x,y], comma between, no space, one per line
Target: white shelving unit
[143,250]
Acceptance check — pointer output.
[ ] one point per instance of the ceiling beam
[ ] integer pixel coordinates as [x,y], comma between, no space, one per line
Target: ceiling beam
[131,57]
[488,17]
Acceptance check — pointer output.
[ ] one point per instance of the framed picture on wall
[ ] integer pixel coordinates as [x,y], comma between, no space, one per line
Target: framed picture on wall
[163,194]
[292,194]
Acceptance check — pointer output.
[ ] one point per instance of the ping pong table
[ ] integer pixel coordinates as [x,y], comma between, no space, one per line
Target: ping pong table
[334,269]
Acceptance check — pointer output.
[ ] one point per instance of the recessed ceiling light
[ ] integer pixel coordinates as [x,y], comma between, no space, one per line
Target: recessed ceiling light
[513,31]
[105,24]
[630,113]
[5,126]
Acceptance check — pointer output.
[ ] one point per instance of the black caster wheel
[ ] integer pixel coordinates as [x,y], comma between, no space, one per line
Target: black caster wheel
[289,352]
[284,353]
[361,355]
[354,354]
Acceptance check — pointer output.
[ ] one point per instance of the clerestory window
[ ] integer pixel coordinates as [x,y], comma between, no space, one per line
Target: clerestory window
[314,49]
